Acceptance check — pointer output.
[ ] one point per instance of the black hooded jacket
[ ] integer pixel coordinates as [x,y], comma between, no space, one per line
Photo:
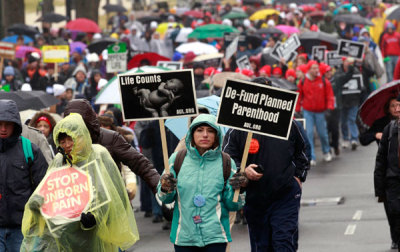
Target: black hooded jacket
[15,183]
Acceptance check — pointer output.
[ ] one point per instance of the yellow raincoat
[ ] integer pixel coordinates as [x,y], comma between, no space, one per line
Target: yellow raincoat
[115,224]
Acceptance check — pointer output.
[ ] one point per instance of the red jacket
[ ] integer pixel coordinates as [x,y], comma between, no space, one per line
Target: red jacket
[390,45]
[314,95]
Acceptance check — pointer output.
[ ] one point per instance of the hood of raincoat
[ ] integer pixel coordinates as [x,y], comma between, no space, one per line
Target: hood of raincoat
[210,120]
[74,126]
[9,113]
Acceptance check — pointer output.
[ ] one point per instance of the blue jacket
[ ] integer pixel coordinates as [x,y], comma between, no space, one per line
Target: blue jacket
[201,175]
[15,183]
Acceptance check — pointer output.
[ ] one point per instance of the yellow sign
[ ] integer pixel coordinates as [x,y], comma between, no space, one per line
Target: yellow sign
[55,54]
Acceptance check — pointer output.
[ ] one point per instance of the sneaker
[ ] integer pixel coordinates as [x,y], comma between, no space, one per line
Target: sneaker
[327,157]
[345,144]
[313,163]
[354,145]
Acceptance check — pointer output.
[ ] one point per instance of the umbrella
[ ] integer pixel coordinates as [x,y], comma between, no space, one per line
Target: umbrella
[210,56]
[98,45]
[211,31]
[114,8]
[263,14]
[353,19]
[287,29]
[254,40]
[307,8]
[52,18]
[298,1]
[110,93]
[269,30]
[197,48]
[21,51]
[151,57]
[13,39]
[83,25]
[282,83]
[30,100]
[346,7]
[21,29]
[395,14]
[235,15]
[310,39]
[149,19]
[252,2]
[193,13]
[317,14]
[29,113]
[373,107]
[219,79]
[75,45]
[163,27]
[183,34]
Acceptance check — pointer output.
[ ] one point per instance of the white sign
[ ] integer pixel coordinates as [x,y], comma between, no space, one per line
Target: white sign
[232,48]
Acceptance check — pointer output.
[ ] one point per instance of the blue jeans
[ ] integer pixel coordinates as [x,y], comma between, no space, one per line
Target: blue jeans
[317,119]
[348,119]
[10,239]
[390,66]
[274,228]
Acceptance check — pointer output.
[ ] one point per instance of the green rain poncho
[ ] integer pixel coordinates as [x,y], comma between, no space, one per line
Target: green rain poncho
[108,202]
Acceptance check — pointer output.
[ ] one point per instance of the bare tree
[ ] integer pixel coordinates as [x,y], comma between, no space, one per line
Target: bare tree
[88,9]
[11,12]
[48,6]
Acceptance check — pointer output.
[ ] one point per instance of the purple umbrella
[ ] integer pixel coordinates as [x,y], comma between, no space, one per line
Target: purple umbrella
[77,46]
[21,51]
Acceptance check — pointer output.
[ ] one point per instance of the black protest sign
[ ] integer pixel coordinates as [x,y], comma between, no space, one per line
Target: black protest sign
[243,63]
[257,108]
[161,95]
[333,59]
[274,53]
[349,48]
[318,53]
[354,85]
[289,46]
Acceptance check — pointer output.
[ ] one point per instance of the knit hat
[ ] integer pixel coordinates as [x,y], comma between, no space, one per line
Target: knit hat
[310,63]
[277,70]
[9,70]
[265,69]
[290,72]
[58,89]
[26,87]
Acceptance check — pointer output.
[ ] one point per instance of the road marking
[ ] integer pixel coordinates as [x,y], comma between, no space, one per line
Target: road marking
[357,215]
[351,228]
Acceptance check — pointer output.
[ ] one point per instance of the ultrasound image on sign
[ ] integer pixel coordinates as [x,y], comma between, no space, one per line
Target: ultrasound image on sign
[353,86]
[349,48]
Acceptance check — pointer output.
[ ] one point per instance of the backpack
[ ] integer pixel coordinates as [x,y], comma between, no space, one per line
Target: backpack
[28,153]
[226,163]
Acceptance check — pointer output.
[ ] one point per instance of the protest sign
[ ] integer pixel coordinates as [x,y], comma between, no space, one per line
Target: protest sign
[286,50]
[232,48]
[318,53]
[161,95]
[7,50]
[354,85]
[302,121]
[55,54]
[333,59]
[244,63]
[173,65]
[274,53]
[349,48]
[229,37]
[117,58]
[257,108]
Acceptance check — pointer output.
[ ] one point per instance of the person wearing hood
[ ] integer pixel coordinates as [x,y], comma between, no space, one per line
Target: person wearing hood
[202,197]
[78,82]
[20,177]
[328,25]
[106,224]
[120,150]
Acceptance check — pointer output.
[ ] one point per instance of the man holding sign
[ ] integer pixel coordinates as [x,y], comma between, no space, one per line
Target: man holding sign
[275,168]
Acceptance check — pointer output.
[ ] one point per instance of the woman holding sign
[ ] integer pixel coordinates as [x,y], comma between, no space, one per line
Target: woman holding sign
[81,203]
[198,183]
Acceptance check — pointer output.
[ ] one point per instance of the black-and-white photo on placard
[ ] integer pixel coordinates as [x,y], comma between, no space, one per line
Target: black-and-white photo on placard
[318,53]
[333,59]
[158,95]
[349,48]
[274,53]
[354,85]
[173,65]
[243,63]
[289,46]
[257,108]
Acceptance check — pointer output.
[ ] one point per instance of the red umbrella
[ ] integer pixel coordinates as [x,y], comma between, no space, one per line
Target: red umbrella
[193,13]
[151,58]
[308,8]
[317,14]
[373,107]
[84,25]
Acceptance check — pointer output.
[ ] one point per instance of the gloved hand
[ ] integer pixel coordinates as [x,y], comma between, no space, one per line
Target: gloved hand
[35,202]
[168,183]
[88,220]
[239,180]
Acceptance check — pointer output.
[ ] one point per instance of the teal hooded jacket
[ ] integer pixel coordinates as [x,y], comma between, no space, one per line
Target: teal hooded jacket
[201,175]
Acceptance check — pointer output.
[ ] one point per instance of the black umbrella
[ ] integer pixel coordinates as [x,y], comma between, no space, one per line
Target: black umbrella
[353,19]
[298,1]
[97,46]
[269,30]
[149,19]
[252,2]
[310,39]
[114,8]
[30,100]
[254,40]
[282,83]
[52,18]
[23,29]
[394,15]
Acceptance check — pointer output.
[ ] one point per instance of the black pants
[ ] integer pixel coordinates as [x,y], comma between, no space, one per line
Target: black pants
[215,247]
[333,127]
[392,207]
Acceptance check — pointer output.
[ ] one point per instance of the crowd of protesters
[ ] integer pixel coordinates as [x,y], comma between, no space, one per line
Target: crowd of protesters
[320,86]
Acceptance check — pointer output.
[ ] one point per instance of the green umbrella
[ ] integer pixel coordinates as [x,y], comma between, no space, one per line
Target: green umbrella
[235,15]
[211,31]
